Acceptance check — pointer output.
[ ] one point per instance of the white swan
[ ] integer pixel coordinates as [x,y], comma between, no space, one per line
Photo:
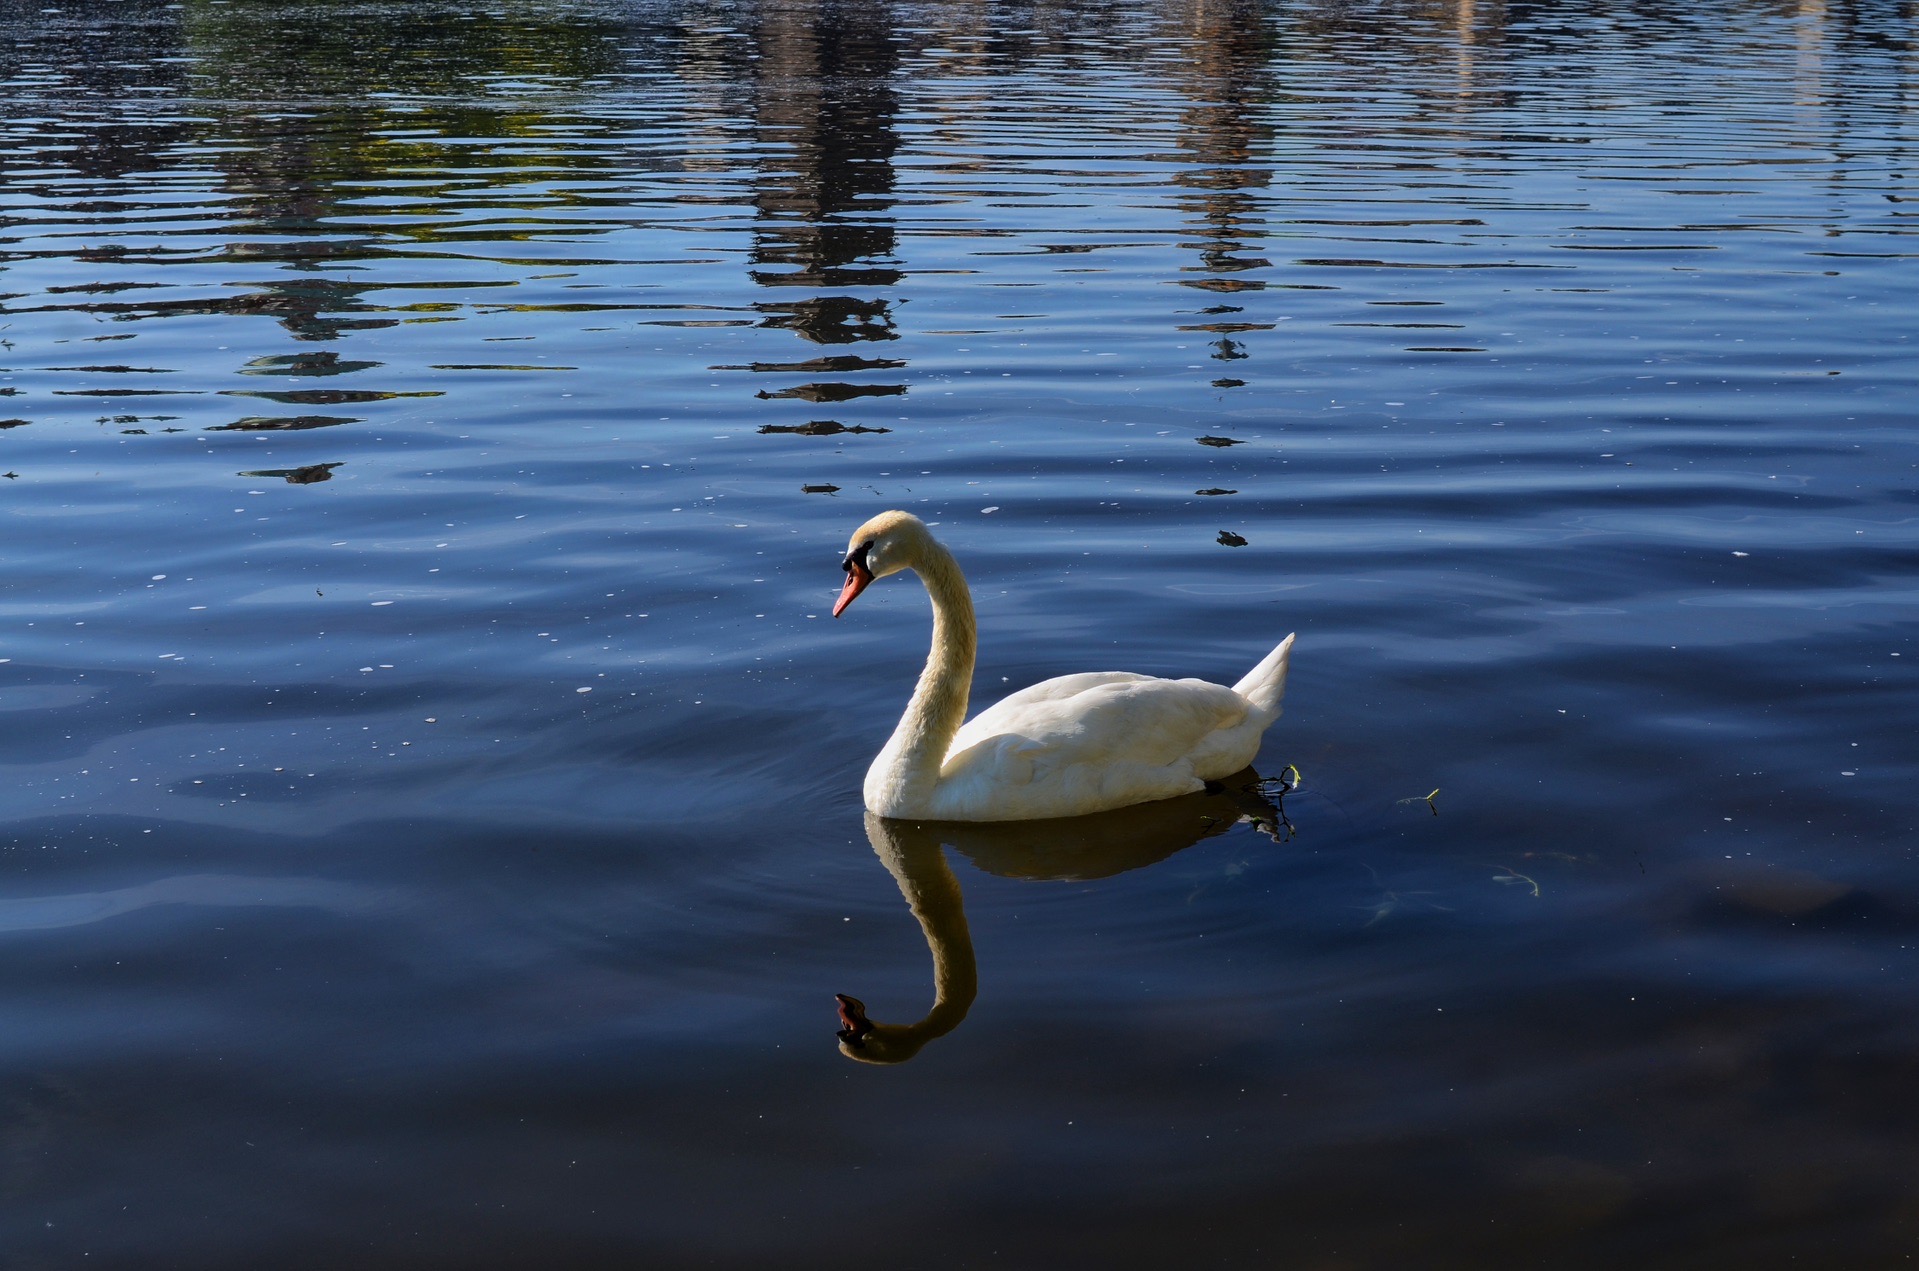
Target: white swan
[1065,747]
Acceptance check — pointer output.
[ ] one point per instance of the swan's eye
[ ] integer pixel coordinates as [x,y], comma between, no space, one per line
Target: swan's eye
[856,559]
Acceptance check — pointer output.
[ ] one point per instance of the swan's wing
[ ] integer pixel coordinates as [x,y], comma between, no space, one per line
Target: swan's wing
[1083,743]
[1110,718]
[1008,714]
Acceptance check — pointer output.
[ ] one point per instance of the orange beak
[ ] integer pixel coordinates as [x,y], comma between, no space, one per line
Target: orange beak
[856,580]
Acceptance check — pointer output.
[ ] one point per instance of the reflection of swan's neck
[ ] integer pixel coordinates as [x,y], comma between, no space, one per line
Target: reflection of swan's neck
[901,780]
[914,859]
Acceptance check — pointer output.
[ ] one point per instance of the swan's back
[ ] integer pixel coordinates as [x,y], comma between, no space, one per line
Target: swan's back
[1102,739]
[1108,714]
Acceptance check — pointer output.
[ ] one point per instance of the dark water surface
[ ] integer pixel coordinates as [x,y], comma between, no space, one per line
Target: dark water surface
[429,778]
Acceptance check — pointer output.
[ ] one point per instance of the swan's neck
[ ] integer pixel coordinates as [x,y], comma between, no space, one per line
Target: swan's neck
[902,778]
[934,896]
[918,865]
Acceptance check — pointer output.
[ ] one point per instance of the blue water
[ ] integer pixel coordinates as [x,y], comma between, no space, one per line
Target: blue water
[430,829]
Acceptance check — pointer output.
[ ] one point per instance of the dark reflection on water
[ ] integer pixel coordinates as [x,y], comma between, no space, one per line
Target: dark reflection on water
[449,863]
[1071,849]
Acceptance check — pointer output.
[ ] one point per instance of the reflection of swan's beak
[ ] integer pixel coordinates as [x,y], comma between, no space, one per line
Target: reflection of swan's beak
[854,1024]
[856,579]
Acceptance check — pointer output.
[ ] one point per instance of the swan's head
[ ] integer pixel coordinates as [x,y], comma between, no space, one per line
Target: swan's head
[870,1043]
[888,543]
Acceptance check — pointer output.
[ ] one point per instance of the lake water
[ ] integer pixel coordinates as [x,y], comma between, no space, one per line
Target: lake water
[429,775]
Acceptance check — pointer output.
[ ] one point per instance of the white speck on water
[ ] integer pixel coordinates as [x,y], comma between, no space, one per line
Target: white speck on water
[158,577]
[988,511]
[378,603]
[366,668]
[1847,772]
[583,690]
[1742,553]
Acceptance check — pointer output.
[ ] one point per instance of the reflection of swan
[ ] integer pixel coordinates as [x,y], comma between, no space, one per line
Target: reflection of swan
[1065,747]
[1071,848]
[911,853]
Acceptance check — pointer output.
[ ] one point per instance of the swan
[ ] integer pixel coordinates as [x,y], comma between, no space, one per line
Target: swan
[1065,747]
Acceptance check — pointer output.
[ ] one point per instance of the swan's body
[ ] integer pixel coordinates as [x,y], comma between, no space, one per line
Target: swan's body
[1065,747]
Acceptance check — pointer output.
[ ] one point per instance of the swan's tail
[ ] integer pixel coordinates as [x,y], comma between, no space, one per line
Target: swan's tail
[1265,684]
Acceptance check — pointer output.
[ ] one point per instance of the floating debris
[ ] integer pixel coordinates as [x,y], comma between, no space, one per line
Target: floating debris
[818,393]
[13,423]
[1219,441]
[323,396]
[117,370]
[1425,799]
[1216,490]
[819,489]
[127,392]
[1223,284]
[312,474]
[836,364]
[1229,539]
[295,423]
[820,428]
[1229,383]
